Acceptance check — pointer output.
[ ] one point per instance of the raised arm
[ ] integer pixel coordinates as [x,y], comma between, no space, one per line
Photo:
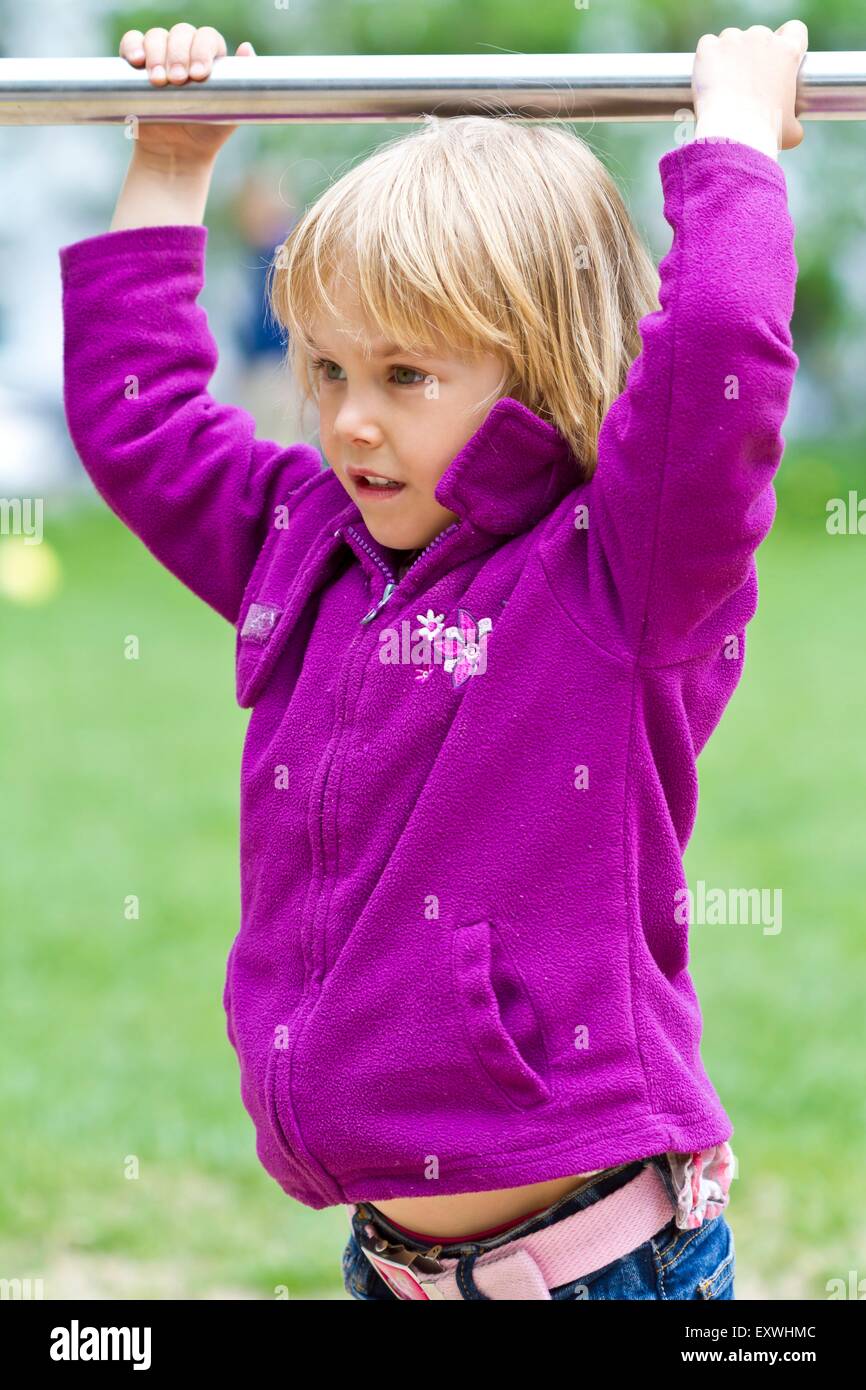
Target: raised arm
[682,495]
[184,472]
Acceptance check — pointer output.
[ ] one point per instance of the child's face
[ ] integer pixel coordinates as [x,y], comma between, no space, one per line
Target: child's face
[401,415]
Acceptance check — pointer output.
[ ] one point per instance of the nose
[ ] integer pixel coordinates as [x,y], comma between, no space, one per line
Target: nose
[355,423]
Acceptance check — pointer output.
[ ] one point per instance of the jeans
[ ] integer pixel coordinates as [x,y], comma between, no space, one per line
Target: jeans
[674,1263]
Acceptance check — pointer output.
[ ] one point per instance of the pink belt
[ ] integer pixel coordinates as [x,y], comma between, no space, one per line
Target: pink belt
[532,1265]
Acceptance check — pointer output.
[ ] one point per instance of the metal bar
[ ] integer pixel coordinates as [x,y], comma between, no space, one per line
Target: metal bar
[540,86]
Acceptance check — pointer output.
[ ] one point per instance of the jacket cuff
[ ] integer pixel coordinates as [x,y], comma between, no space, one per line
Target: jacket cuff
[718,150]
[179,243]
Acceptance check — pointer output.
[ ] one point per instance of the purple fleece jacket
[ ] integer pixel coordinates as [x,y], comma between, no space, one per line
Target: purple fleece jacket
[462,962]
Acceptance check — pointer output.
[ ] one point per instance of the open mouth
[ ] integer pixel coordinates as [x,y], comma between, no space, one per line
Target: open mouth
[370,486]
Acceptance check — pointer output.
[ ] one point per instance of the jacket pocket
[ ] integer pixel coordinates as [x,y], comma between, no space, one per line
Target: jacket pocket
[499,1019]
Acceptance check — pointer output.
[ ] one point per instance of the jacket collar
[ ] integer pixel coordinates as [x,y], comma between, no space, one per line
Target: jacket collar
[510,473]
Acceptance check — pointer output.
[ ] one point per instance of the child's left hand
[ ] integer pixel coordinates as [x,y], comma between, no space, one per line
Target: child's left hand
[750,76]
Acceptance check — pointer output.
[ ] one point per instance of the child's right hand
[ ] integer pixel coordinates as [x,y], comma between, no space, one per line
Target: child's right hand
[171,57]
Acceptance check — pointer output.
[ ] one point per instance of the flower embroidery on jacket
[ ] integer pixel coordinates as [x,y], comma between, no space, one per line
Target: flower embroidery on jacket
[431,624]
[464,648]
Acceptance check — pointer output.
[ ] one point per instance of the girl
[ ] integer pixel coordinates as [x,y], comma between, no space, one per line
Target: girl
[483,649]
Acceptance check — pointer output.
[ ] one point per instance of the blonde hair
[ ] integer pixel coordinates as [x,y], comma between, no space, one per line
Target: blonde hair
[496,236]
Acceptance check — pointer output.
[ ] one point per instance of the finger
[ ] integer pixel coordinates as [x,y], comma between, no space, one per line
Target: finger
[795,33]
[705,42]
[251,53]
[154,53]
[132,46]
[180,37]
[793,134]
[208,43]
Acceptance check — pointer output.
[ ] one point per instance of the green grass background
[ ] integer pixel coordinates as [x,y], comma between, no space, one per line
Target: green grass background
[121,777]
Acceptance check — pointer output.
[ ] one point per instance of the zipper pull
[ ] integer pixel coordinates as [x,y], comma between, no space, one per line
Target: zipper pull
[389,589]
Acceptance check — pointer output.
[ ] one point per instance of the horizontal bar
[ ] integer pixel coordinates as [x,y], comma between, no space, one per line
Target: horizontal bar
[541,86]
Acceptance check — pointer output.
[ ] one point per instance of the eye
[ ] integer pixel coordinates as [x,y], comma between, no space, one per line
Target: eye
[321,364]
[419,376]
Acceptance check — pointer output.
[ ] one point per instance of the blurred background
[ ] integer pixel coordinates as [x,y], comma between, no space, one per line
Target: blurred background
[121,777]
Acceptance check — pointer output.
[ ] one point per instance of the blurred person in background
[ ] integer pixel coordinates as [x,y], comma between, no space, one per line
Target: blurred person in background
[263,216]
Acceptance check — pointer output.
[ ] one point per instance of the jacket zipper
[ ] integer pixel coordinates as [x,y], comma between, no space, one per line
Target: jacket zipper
[337,736]
[313,980]
[392,582]
[332,754]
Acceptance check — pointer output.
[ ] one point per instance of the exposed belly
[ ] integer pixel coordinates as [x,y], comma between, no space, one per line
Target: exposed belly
[464,1213]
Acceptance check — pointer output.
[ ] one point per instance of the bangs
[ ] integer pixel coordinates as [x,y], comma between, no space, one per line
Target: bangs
[397,260]
[478,235]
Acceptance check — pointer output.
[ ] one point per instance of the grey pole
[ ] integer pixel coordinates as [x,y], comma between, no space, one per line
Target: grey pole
[539,86]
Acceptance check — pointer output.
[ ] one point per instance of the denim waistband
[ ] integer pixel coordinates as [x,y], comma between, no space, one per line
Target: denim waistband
[592,1191]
